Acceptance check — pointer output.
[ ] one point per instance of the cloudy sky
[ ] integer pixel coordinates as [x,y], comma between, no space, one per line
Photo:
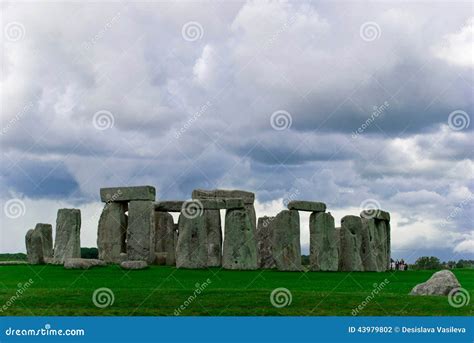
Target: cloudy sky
[352,104]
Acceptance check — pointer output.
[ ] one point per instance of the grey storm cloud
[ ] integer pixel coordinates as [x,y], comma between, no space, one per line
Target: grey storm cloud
[337,102]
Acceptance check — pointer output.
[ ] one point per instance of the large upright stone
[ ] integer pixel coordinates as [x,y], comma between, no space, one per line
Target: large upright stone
[164,237]
[191,249]
[134,193]
[309,206]
[351,244]
[372,256]
[34,247]
[240,245]
[141,231]
[67,243]
[264,242]
[381,220]
[286,241]
[212,224]
[323,242]
[112,232]
[46,231]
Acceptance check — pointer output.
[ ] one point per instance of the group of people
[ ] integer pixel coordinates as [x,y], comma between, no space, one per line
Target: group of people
[398,264]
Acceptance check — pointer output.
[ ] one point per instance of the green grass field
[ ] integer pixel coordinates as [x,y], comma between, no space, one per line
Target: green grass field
[159,291]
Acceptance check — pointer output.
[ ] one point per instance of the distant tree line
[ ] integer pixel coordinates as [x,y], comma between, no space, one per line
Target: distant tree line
[432,262]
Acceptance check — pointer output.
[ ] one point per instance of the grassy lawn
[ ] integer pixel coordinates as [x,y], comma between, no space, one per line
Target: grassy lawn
[161,290]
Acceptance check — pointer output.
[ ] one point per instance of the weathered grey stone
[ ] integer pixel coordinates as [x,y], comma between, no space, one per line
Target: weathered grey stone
[82,263]
[264,242]
[375,214]
[382,244]
[286,240]
[203,204]
[440,283]
[373,253]
[191,250]
[309,206]
[67,243]
[247,197]
[46,231]
[351,244]
[161,258]
[127,193]
[169,206]
[141,231]
[34,247]
[252,216]
[212,225]
[134,265]
[240,245]
[112,231]
[11,263]
[323,242]
[339,252]
[164,238]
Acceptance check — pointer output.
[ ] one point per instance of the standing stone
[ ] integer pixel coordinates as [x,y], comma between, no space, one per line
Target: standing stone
[323,242]
[141,231]
[264,242]
[164,236]
[240,245]
[381,220]
[34,247]
[67,243]
[339,251]
[250,208]
[212,224]
[112,231]
[191,249]
[286,241]
[372,256]
[351,244]
[46,231]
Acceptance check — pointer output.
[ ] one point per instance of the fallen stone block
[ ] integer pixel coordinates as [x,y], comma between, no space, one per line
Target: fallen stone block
[134,265]
[133,193]
[82,263]
[440,283]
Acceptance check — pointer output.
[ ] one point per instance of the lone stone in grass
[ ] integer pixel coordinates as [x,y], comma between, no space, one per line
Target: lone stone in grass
[46,231]
[134,265]
[191,248]
[112,231]
[240,245]
[286,248]
[67,243]
[34,247]
[141,231]
[323,242]
[351,244]
[164,238]
[440,283]
[82,263]
[264,242]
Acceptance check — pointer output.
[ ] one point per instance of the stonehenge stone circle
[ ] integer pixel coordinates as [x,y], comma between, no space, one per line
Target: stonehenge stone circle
[264,242]
[141,231]
[351,243]
[286,249]
[34,247]
[191,249]
[46,231]
[164,239]
[323,242]
[115,194]
[111,233]
[240,245]
[67,243]
[309,206]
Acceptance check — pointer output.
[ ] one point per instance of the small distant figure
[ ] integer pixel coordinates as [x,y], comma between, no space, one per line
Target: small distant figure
[392,264]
